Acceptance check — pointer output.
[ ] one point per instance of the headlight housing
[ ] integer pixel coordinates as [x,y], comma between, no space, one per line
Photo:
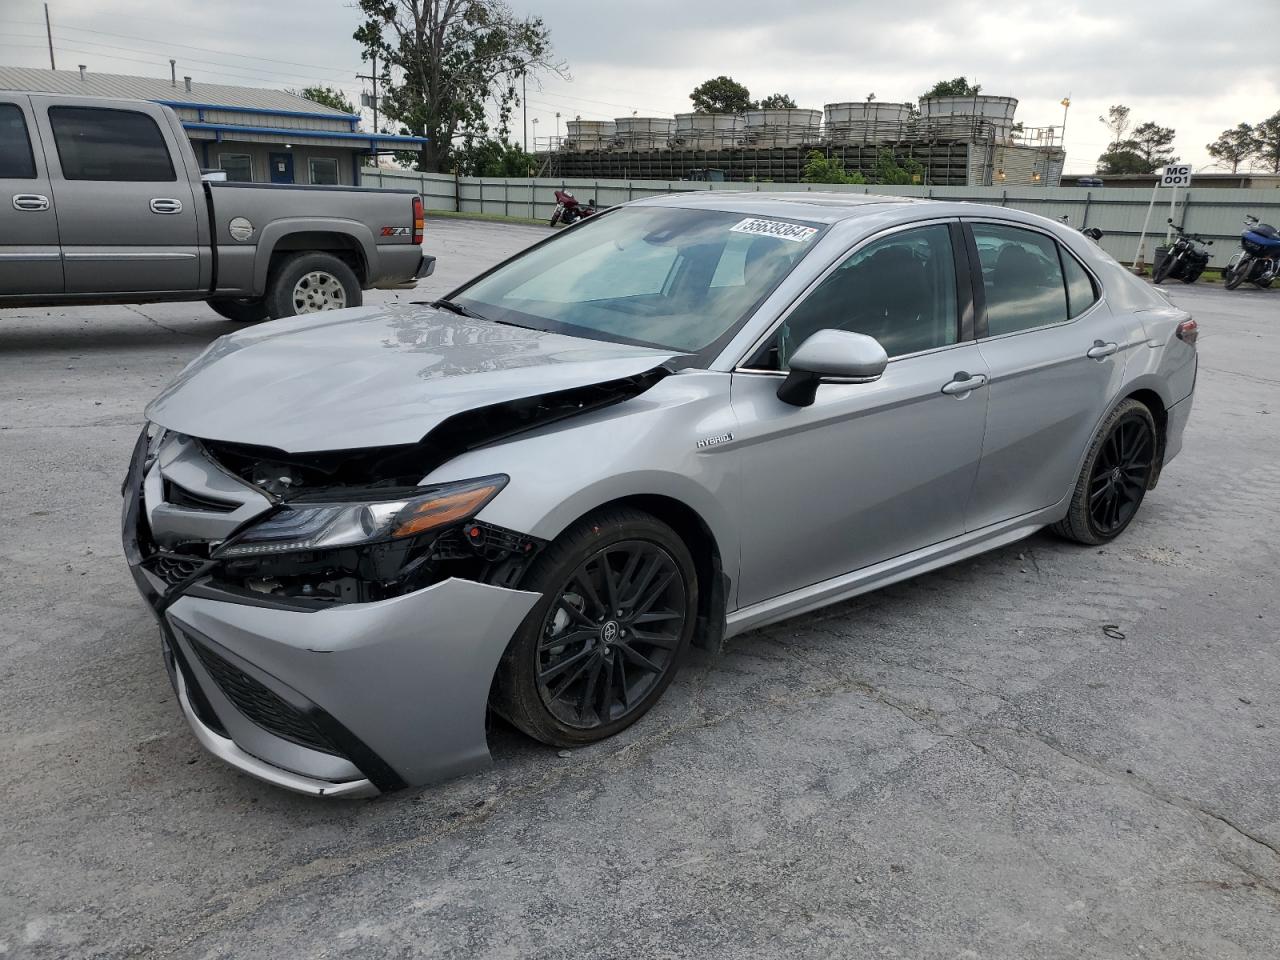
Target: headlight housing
[304,526]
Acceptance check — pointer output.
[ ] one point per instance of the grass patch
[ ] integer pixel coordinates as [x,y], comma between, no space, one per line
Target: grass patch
[491,217]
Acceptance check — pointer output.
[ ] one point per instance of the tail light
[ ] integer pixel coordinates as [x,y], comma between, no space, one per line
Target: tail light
[419,220]
[1188,330]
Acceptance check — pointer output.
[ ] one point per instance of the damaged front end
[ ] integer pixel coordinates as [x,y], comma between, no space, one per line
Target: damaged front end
[331,623]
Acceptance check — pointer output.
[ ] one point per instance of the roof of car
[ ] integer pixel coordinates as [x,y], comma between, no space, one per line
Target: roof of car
[820,206]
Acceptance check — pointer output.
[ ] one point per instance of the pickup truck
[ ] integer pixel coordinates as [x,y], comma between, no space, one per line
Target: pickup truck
[103,201]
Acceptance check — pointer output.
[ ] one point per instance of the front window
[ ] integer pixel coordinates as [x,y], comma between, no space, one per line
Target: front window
[101,143]
[656,276]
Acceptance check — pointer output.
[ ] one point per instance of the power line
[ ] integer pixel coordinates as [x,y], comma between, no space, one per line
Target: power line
[167,44]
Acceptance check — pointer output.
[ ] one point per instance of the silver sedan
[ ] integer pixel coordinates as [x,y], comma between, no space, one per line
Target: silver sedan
[678,420]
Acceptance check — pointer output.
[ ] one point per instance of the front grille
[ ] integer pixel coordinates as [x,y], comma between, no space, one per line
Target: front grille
[261,705]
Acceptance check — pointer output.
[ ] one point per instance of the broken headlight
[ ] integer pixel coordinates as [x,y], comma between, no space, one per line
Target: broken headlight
[304,526]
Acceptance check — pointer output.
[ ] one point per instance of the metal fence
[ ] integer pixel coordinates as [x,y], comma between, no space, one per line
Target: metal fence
[1216,214]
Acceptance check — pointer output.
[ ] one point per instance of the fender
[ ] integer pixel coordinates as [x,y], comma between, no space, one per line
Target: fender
[278,230]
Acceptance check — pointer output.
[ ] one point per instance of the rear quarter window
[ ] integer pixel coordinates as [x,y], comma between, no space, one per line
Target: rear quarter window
[16,159]
[1081,291]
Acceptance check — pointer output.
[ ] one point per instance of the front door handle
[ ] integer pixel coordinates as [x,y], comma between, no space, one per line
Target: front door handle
[166,205]
[963,383]
[30,201]
[1100,350]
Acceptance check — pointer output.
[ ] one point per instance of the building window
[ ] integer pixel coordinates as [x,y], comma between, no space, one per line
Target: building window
[238,166]
[97,143]
[324,170]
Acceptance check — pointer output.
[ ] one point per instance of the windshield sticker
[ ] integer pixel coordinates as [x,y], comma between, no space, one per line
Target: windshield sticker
[795,232]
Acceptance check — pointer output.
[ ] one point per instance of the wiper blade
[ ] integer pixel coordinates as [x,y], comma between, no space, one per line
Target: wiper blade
[458,308]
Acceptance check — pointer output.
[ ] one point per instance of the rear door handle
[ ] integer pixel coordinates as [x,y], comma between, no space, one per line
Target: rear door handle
[30,201]
[166,205]
[1099,350]
[964,383]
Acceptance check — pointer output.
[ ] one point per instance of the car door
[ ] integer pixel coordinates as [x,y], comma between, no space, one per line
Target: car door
[126,211]
[30,261]
[1056,357]
[869,471]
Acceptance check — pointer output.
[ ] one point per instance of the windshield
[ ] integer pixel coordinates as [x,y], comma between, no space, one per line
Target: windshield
[656,276]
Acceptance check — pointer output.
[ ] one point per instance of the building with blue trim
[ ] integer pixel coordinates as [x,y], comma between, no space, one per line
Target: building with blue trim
[253,134]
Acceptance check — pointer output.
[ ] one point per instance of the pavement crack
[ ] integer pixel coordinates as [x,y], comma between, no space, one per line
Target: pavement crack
[152,320]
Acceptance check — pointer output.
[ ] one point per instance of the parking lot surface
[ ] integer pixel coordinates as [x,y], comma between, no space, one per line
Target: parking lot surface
[1048,751]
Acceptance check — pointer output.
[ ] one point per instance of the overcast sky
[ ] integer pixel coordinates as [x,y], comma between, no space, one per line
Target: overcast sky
[1177,62]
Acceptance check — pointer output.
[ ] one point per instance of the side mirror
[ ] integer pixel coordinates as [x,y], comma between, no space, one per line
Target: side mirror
[836,355]
[1168,219]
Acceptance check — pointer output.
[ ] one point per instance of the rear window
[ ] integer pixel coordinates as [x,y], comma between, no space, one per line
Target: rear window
[16,161]
[103,144]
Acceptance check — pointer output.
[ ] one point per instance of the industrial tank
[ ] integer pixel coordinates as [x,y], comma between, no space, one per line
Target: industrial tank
[867,122]
[642,133]
[968,118]
[707,131]
[783,127]
[589,134]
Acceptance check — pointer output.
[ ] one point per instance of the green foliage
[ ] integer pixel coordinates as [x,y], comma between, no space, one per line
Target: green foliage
[441,62]
[721,95]
[1148,148]
[1267,139]
[1234,147]
[778,101]
[820,168]
[491,158]
[892,172]
[327,97]
[959,87]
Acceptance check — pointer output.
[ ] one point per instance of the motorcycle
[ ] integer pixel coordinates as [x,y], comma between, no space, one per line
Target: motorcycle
[1258,261]
[1185,260]
[569,210]
[1093,233]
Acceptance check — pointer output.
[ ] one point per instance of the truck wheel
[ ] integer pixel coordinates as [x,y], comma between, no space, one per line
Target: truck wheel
[310,282]
[241,311]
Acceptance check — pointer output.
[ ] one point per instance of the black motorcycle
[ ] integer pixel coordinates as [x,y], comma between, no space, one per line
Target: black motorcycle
[1185,260]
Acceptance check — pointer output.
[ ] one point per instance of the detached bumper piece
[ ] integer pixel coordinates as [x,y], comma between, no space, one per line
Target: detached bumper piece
[340,700]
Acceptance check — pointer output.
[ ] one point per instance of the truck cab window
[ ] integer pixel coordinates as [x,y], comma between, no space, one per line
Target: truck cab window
[96,143]
[16,161]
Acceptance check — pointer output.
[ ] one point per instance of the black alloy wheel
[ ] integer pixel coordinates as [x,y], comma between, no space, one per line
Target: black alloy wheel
[611,634]
[618,609]
[1116,475]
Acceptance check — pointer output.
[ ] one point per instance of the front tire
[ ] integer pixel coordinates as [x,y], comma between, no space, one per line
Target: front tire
[1114,479]
[555,217]
[617,614]
[241,311]
[1235,276]
[1165,268]
[311,282]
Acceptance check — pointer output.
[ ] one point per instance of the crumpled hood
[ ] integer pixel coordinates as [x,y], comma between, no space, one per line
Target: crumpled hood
[375,377]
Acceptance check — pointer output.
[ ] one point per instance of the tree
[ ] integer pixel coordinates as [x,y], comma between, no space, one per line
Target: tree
[1154,144]
[721,95]
[819,168]
[1123,161]
[442,62]
[959,87]
[327,97]
[778,101]
[1234,147]
[890,171]
[488,157]
[1267,137]
[1117,123]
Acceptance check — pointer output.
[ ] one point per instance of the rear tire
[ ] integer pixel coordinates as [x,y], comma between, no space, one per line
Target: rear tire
[311,282]
[618,610]
[241,311]
[1114,479]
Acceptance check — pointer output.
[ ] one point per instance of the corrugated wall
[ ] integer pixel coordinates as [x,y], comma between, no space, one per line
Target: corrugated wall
[1118,212]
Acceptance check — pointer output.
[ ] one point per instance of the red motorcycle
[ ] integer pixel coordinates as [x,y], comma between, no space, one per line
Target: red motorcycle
[569,210]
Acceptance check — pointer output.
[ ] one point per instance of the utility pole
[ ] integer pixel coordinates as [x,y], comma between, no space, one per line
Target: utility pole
[372,77]
[48,31]
[524,103]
